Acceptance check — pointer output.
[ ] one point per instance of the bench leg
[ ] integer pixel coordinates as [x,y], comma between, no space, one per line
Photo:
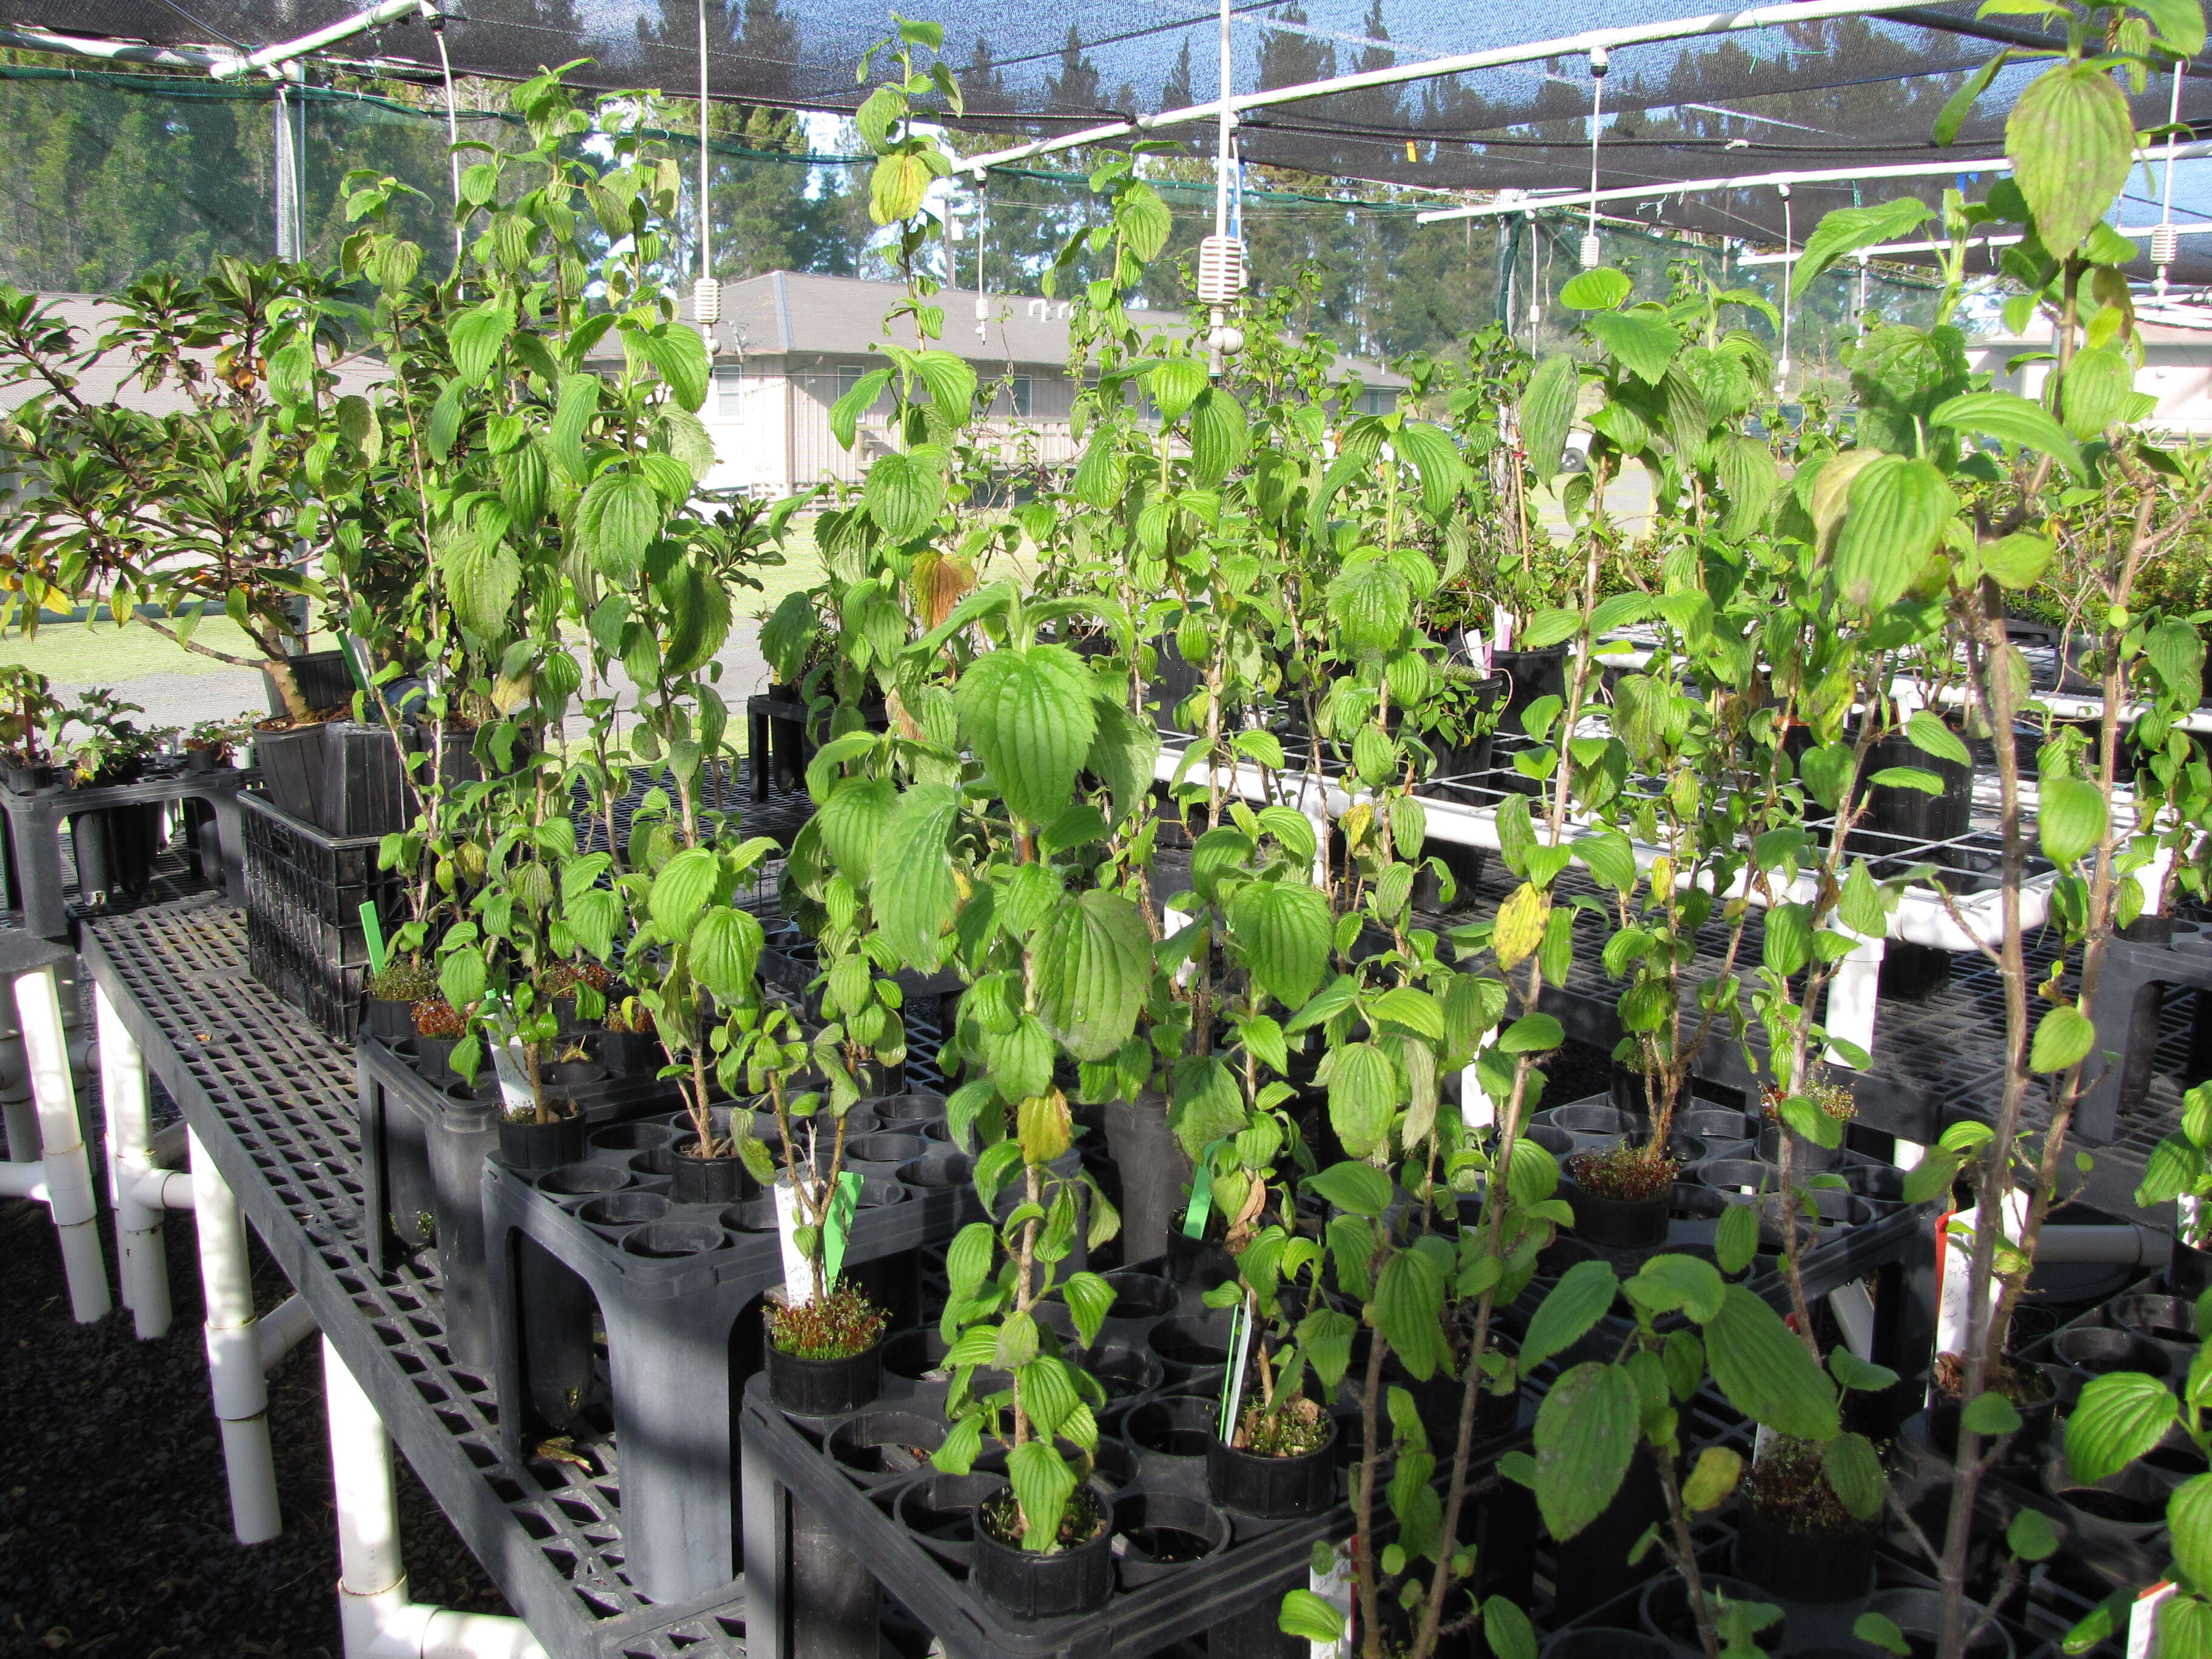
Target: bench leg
[233,1348]
[138,1230]
[61,1140]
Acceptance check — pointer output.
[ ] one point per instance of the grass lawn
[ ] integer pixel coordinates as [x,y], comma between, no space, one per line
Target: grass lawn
[101,653]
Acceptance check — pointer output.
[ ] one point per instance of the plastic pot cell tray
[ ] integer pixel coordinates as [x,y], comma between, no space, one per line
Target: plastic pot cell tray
[1182,1564]
[677,1289]
[1863,1226]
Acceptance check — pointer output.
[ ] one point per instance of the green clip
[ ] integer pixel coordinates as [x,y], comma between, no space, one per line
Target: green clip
[1201,1192]
[374,929]
[838,1225]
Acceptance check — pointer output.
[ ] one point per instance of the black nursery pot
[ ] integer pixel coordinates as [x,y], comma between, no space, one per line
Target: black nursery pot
[1803,1567]
[390,1020]
[1198,1262]
[1273,1488]
[27,780]
[826,1388]
[527,1146]
[430,1056]
[1032,1586]
[2035,1421]
[1806,1156]
[1531,675]
[628,1053]
[1616,1223]
[205,759]
[292,767]
[709,1179]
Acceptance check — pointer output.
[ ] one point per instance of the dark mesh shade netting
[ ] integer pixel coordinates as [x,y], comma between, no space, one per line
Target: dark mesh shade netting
[1852,92]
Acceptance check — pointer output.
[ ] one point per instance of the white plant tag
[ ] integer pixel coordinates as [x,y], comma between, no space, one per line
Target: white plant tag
[1334,1587]
[798,1271]
[2143,1618]
[513,1079]
[1503,622]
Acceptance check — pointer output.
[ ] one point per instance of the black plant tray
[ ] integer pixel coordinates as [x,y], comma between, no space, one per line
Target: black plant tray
[677,1289]
[423,1150]
[863,1480]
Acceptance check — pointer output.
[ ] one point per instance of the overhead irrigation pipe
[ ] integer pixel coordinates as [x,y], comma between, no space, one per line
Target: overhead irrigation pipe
[2139,233]
[1760,180]
[268,59]
[1678,28]
[28,38]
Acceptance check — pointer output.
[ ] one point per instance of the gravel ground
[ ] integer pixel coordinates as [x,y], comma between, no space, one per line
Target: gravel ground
[114,1516]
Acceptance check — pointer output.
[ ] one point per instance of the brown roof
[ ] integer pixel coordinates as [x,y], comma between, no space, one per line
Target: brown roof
[788,313]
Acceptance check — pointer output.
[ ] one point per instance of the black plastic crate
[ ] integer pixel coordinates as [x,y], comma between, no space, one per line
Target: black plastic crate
[304,891]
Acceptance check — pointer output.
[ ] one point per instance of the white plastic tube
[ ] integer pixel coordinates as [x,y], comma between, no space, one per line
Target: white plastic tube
[62,1150]
[241,1398]
[283,1329]
[138,1244]
[375,1615]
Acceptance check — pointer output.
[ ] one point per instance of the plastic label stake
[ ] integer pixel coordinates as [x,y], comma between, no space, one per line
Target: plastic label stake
[798,1271]
[1333,1587]
[373,927]
[1241,1320]
[838,1226]
[1201,1192]
[514,1092]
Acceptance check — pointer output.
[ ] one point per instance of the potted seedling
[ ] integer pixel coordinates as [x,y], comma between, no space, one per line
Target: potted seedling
[393,993]
[1042,1541]
[439,1027]
[1272,1454]
[1833,1100]
[825,1336]
[1795,1536]
[625,1041]
[210,745]
[30,716]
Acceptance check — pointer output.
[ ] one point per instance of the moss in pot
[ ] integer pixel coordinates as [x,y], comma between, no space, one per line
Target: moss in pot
[826,1355]
[2028,1388]
[1795,1536]
[1624,1191]
[392,994]
[1834,1101]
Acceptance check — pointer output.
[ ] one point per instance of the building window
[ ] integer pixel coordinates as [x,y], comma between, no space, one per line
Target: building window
[1012,397]
[1378,403]
[729,382]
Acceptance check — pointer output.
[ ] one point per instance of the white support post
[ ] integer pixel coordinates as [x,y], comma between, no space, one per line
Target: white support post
[61,1143]
[241,1398]
[377,1620]
[138,1240]
[1855,994]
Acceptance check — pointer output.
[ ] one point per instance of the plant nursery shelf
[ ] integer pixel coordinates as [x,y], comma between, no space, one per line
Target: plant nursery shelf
[272,1101]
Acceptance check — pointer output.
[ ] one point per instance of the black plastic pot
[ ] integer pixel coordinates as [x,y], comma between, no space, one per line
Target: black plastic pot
[2035,1421]
[1806,1156]
[1033,1586]
[1915,972]
[1531,675]
[1155,1174]
[291,760]
[708,1180]
[1619,1224]
[1197,1260]
[201,761]
[628,1054]
[364,788]
[325,680]
[27,779]
[1916,1614]
[826,1388]
[1593,1567]
[528,1146]
[1666,1612]
[1799,1566]
[389,1019]
[2141,1059]
[430,1057]
[1908,814]
[1272,1488]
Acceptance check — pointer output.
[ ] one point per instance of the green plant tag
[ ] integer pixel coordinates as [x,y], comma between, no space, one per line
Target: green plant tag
[838,1226]
[374,928]
[1201,1192]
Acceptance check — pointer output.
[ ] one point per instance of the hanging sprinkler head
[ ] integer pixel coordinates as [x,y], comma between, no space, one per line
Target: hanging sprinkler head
[1221,278]
[1593,250]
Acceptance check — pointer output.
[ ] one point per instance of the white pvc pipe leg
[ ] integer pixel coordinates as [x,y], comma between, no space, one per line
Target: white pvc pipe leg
[377,1619]
[138,1229]
[61,1144]
[241,1398]
[1854,994]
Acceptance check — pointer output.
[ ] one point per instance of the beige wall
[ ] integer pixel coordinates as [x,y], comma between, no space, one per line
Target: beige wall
[2179,374]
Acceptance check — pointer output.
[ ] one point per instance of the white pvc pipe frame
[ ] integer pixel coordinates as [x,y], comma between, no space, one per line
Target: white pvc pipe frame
[378,1620]
[59,1175]
[1570,45]
[223,65]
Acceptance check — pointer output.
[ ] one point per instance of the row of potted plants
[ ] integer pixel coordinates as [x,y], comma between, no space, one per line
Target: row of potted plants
[1147,763]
